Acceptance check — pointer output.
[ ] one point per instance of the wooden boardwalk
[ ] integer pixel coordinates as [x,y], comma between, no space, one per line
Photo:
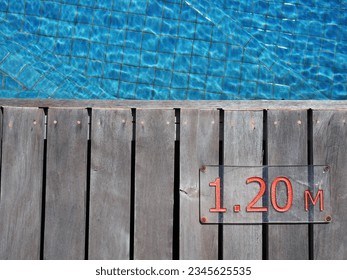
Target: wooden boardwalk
[100,181]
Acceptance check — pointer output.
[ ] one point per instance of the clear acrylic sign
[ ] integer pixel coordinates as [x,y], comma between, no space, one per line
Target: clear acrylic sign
[264,194]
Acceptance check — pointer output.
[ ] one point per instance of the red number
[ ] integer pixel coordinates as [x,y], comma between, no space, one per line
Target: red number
[250,207]
[274,194]
[218,207]
[319,195]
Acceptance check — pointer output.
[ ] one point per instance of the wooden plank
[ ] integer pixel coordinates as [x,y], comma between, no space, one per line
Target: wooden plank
[330,147]
[66,184]
[187,104]
[199,145]
[21,183]
[243,146]
[154,184]
[287,145]
[1,138]
[109,226]
[1,120]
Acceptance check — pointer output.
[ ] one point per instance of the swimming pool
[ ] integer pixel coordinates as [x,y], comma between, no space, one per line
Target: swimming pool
[173,49]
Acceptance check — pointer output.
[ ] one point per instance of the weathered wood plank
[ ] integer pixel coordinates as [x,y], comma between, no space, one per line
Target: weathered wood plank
[66,184]
[330,147]
[192,104]
[243,146]
[1,119]
[287,145]
[109,226]
[199,145]
[154,184]
[21,183]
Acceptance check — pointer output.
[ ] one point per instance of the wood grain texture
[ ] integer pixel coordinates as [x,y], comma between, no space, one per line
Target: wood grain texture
[66,184]
[21,183]
[109,226]
[1,119]
[243,146]
[191,104]
[287,145]
[154,184]
[199,145]
[330,147]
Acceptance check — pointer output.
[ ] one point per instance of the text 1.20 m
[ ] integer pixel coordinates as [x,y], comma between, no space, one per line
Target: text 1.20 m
[309,197]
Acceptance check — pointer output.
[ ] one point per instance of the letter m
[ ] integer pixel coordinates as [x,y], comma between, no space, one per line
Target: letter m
[319,196]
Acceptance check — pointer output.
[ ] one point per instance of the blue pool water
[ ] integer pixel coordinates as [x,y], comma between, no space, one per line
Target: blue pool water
[173,49]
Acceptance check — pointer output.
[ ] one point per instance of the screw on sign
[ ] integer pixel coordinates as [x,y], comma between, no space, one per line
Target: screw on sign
[203,168]
[328,218]
[309,197]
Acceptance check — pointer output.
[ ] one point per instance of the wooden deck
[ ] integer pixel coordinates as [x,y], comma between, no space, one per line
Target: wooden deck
[120,180]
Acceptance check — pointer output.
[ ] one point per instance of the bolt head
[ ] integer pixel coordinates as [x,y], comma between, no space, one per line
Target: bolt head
[203,168]
[326,168]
